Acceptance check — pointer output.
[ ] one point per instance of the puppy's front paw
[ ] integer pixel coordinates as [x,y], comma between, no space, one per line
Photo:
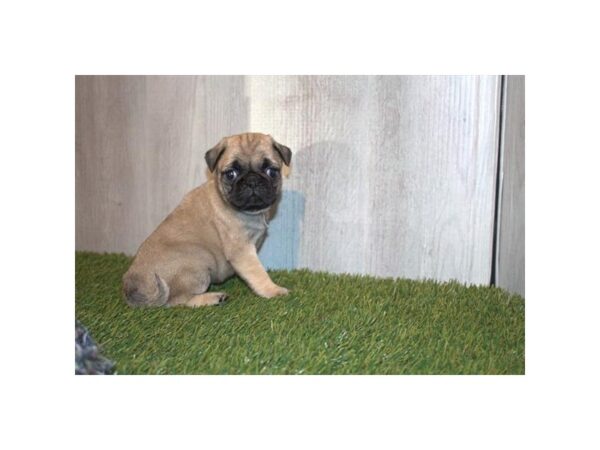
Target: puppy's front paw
[282,291]
[274,291]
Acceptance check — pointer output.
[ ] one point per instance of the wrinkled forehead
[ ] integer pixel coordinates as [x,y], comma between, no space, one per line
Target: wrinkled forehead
[248,149]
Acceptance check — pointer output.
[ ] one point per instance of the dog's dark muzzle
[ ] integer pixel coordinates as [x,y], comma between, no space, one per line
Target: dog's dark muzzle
[253,192]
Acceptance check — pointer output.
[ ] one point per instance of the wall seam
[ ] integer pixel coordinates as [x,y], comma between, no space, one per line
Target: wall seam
[499,179]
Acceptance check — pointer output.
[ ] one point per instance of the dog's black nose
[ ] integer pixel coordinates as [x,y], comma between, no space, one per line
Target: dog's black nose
[252,180]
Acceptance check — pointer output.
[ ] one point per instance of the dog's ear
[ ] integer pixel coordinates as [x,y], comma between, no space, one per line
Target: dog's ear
[284,152]
[212,156]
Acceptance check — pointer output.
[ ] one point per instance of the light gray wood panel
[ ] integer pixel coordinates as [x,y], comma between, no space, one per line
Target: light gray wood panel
[434,147]
[394,175]
[140,144]
[391,176]
[323,120]
[510,264]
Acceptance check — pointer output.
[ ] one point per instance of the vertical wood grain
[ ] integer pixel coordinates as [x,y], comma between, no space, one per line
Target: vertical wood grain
[510,265]
[391,176]
[433,144]
[396,174]
[323,119]
[140,144]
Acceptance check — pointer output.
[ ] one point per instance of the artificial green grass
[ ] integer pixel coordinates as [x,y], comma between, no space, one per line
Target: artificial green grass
[329,324]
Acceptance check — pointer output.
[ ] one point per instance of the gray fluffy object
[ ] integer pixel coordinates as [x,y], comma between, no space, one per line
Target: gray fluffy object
[88,359]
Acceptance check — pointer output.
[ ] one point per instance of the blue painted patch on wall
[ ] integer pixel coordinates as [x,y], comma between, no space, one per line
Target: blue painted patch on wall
[281,248]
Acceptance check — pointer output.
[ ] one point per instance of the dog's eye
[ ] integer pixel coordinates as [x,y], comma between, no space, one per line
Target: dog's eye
[272,172]
[230,174]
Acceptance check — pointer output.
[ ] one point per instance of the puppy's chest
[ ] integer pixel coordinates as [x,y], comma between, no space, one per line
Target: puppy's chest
[255,230]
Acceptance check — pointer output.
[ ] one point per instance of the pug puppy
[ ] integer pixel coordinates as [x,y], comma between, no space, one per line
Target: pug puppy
[215,231]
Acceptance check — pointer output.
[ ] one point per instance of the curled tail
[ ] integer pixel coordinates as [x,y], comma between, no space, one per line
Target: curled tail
[145,291]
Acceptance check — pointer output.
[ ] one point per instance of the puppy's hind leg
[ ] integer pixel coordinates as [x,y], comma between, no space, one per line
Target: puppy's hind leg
[192,293]
[202,298]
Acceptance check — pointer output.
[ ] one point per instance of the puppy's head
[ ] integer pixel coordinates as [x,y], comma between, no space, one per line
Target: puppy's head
[247,169]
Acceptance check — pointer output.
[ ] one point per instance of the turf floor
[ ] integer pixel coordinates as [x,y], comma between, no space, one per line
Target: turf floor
[329,324]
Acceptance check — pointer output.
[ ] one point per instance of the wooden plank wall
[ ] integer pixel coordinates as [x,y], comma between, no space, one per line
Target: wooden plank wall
[391,176]
[510,264]
[140,145]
